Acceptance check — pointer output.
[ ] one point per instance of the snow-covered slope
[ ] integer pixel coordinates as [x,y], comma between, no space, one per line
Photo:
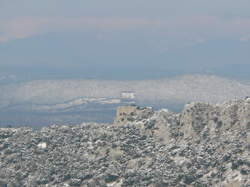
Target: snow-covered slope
[179,89]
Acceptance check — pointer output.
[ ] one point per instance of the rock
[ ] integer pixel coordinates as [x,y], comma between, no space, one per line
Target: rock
[127,114]
[204,145]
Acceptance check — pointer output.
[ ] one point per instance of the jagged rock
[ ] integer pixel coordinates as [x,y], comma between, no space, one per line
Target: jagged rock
[205,145]
[132,113]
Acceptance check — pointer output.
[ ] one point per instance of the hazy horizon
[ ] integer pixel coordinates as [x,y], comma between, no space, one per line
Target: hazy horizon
[128,40]
[68,61]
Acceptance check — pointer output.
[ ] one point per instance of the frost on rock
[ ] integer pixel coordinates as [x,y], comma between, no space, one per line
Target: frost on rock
[204,145]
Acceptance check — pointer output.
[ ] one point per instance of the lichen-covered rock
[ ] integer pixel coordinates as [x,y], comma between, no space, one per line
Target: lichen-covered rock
[205,145]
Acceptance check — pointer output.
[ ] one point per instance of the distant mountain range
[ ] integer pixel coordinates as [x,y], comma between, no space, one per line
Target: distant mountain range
[132,56]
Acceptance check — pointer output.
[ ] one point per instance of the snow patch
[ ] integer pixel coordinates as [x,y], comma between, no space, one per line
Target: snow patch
[42,145]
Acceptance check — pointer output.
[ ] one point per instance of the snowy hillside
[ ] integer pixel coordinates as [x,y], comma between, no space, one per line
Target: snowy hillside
[182,89]
[74,101]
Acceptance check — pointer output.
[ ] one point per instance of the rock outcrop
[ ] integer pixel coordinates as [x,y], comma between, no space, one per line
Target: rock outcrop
[205,145]
[127,114]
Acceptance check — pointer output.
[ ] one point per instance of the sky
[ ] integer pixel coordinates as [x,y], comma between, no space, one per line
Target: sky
[132,39]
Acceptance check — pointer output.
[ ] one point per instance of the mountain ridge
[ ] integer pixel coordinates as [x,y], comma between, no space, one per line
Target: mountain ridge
[204,145]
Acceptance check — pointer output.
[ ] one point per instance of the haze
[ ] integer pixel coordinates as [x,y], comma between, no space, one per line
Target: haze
[139,39]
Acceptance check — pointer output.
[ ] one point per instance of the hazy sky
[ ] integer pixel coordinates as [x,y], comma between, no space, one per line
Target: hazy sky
[132,39]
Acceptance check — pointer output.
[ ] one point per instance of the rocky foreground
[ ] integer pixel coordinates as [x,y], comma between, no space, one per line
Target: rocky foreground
[205,145]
